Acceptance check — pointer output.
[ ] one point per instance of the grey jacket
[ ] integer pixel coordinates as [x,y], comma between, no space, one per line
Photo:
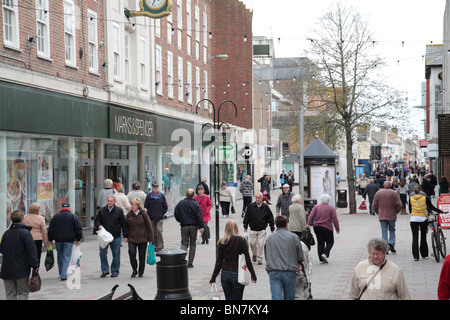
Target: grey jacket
[283,251]
[283,203]
[246,188]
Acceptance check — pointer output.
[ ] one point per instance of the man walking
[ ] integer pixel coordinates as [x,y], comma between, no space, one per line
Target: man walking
[258,217]
[156,206]
[19,256]
[111,218]
[370,190]
[387,204]
[246,189]
[189,214]
[283,251]
[64,229]
[284,201]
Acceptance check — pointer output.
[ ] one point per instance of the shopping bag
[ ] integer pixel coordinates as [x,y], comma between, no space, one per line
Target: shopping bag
[35,281]
[76,256]
[214,292]
[49,259]
[363,206]
[243,273]
[151,259]
[104,238]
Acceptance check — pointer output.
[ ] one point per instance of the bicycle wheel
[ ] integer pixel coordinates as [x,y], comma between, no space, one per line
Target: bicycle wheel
[434,243]
[442,247]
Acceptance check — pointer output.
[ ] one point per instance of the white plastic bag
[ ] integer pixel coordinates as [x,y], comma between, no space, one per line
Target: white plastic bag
[243,273]
[104,238]
[214,292]
[76,256]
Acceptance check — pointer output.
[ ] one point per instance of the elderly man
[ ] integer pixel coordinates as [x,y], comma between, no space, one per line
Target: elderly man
[387,204]
[258,217]
[297,222]
[111,218]
[284,201]
[377,278]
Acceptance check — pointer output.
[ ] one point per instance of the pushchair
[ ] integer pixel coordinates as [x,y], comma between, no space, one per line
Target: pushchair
[303,287]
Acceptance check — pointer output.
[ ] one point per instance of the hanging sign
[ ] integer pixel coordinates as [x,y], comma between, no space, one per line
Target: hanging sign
[155,9]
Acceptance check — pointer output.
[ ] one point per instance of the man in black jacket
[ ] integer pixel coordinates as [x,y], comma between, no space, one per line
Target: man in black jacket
[258,216]
[189,215]
[370,191]
[64,229]
[19,256]
[112,218]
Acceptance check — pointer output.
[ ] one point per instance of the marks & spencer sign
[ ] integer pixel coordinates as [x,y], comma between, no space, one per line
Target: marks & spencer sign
[131,126]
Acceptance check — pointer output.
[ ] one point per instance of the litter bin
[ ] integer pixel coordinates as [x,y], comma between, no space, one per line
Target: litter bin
[172,276]
[309,204]
[342,199]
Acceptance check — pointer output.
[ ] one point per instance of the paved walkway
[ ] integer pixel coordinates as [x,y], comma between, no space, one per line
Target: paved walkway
[329,281]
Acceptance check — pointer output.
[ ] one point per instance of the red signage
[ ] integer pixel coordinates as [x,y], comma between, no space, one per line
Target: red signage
[423,143]
[443,203]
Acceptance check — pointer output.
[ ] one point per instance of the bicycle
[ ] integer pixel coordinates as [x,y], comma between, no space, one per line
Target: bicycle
[437,238]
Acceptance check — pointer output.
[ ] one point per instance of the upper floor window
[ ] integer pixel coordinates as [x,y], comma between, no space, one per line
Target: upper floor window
[42,28]
[93,41]
[11,23]
[69,32]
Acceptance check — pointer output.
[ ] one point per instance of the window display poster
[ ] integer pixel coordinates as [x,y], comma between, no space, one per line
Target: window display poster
[323,181]
[17,187]
[45,186]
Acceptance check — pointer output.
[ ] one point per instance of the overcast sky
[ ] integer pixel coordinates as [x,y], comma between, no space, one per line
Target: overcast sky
[415,23]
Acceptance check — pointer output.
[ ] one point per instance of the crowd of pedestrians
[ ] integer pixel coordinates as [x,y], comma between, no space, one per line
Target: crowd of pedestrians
[137,219]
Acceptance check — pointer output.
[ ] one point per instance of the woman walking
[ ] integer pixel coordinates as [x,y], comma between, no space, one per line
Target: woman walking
[402,190]
[226,199]
[205,204]
[229,248]
[138,233]
[418,203]
[38,228]
[323,216]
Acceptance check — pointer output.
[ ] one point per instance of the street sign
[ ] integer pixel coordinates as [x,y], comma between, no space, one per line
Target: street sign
[443,203]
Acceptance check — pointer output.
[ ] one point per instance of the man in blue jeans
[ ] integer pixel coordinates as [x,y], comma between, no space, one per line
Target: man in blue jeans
[64,229]
[283,252]
[112,218]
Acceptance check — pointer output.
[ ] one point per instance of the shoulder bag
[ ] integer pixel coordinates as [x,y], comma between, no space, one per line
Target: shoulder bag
[371,279]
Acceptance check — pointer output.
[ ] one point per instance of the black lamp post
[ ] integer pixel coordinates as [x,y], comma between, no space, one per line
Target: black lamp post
[216,127]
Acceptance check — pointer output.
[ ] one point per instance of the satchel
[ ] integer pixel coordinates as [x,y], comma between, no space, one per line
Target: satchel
[35,281]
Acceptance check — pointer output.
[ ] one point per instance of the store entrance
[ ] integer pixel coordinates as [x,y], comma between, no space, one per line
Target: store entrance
[84,194]
[118,174]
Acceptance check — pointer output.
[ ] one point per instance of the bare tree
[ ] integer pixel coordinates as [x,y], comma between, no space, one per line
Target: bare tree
[348,78]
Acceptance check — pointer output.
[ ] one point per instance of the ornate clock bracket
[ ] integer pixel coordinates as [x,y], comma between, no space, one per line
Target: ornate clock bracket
[164,11]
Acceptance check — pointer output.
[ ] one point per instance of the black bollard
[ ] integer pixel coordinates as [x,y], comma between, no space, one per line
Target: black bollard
[172,275]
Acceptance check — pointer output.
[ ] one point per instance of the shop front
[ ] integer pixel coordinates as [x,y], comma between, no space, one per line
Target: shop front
[56,148]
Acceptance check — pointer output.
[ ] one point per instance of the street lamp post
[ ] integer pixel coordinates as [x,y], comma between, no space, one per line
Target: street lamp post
[217,129]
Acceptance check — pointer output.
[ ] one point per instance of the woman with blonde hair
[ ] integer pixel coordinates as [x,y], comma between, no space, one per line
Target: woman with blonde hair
[138,233]
[230,246]
[38,228]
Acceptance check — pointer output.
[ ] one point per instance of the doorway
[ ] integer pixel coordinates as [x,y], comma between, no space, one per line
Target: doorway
[118,174]
[84,194]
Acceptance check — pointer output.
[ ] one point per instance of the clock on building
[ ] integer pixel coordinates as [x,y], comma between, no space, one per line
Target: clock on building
[155,9]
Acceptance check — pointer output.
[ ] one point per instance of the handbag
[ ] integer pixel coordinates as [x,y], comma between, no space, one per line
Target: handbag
[233,210]
[151,259]
[35,281]
[49,259]
[307,238]
[243,273]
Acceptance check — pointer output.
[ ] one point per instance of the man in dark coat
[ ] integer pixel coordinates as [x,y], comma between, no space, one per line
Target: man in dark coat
[111,217]
[370,191]
[156,205]
[189,214]
[64,229]
[19,256]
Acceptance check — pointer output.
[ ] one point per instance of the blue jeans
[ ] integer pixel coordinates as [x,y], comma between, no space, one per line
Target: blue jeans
[388,225]
[63,255]
[232,289]
[282,283]
[115,249]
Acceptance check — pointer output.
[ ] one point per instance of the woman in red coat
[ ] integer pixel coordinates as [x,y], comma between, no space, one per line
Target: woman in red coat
[205,204]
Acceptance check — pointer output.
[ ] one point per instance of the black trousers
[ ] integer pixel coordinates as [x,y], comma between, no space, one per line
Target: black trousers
[423,226]
[325,241]
[225,207]
[246,201]
[132,250]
